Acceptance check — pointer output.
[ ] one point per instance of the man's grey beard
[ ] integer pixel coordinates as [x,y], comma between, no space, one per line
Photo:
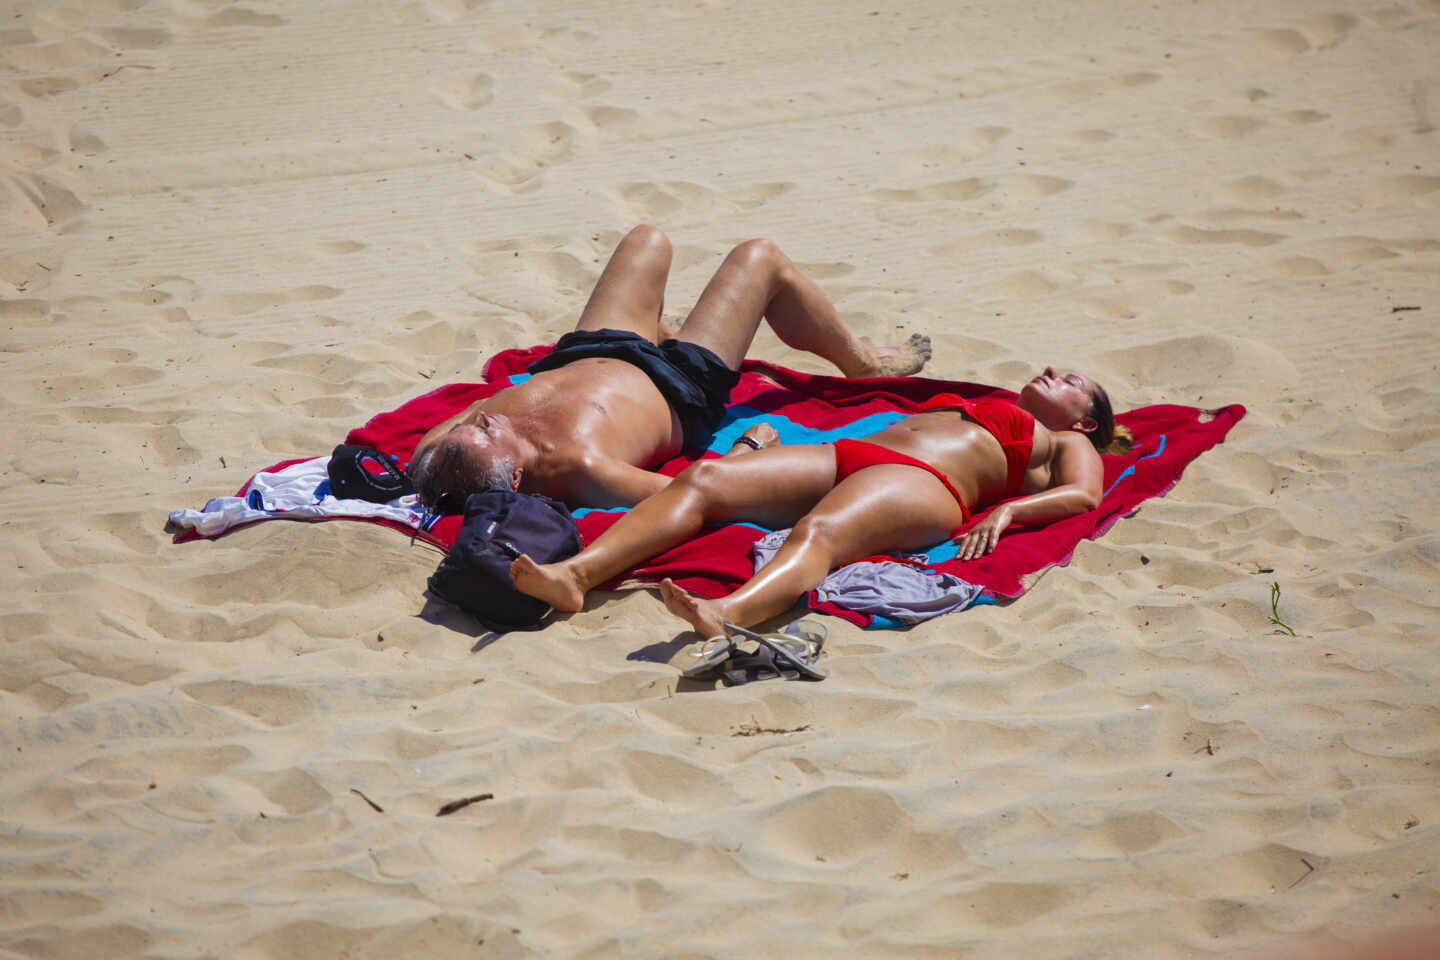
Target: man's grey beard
[498,474]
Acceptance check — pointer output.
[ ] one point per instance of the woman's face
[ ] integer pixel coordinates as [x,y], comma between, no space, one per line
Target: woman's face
[1060,400]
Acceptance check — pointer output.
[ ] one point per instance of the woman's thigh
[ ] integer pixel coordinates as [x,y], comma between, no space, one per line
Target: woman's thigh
[774,487]
[885,508]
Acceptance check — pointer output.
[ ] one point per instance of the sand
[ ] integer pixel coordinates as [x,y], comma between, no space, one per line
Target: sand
[231,231]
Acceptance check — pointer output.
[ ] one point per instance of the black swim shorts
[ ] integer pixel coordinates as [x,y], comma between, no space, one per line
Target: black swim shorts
[695,381]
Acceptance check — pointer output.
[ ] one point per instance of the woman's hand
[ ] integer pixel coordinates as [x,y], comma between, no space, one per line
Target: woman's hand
[762,435]
[981,538]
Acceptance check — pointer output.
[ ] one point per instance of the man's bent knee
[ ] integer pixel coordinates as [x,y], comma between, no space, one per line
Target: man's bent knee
[649,239]
[757,254]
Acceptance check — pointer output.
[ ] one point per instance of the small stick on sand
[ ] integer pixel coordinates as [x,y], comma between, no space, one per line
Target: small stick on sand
[462,803]
[1310,869]
[373,805]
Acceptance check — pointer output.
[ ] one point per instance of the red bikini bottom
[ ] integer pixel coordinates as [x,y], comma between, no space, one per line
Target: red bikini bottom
[853,455]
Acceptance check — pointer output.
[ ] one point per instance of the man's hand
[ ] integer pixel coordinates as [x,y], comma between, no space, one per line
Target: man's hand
[981,538]
[762,434]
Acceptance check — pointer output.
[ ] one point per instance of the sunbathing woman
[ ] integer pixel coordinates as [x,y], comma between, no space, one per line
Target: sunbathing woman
[907,487]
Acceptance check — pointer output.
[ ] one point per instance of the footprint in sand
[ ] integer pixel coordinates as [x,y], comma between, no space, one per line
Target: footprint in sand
[1229,127]
[556,272]
[61,55]
[451,10]
[962,150]
[1407,188]
[340,247]
[556,46]
[1205,365]
[1227,215]
[1314,33]
[240,17]
[545,144]
[116,377]
[1367,139]
[1351,251]
[509,174]
[23,312]
[272,704]
[37,201]
[1134,298]
[826,271]
[988,240]
[605,118]
[1033,186]
[955,190]
[1100,230]
[82,141]
[1294,267]
[293,790]
[1327,29]
[573,85]
[124,38]
[1071,92]
[1277,42]
[465,91]
[1248,238]
[1252,189]
[1030,284]
[239,304]
[659,202]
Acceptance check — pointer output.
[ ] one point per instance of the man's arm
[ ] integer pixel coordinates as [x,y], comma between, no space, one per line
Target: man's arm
[758,437]
[606,482]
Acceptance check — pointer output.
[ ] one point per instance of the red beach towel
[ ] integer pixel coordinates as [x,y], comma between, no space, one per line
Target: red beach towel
[809,408]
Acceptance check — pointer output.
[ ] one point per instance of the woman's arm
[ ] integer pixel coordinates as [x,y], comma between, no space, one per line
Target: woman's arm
[1076,481]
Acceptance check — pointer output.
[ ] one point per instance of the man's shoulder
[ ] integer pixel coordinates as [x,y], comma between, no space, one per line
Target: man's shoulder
[562,465]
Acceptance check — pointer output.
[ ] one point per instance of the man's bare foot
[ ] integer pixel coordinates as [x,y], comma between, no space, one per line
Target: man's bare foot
[703,615]
[551,582]
[910,357]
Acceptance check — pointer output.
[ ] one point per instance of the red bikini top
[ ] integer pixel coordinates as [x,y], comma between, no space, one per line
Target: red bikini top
[1012,427]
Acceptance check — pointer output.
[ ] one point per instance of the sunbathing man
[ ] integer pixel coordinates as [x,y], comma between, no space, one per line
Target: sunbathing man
[610,401]
[905,488]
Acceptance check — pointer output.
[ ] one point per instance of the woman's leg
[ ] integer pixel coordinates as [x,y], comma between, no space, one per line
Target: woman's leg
[630,294]
[879,509]
[774,486]
[757,280]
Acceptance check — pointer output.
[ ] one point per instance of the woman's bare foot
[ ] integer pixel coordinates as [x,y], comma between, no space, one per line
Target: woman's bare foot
[910,357]
[552,582]
[703,615]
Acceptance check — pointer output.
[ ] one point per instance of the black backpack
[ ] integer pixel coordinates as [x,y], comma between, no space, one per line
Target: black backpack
[364,473]
[500,525]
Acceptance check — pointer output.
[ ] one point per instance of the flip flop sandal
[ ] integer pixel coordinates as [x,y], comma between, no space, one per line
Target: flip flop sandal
[789,655]
[712,654]
[762,664]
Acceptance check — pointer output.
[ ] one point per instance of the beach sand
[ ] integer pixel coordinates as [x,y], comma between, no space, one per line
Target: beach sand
[229,232]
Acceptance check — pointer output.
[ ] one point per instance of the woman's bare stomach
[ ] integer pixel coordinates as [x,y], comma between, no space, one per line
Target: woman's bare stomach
[971,459]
